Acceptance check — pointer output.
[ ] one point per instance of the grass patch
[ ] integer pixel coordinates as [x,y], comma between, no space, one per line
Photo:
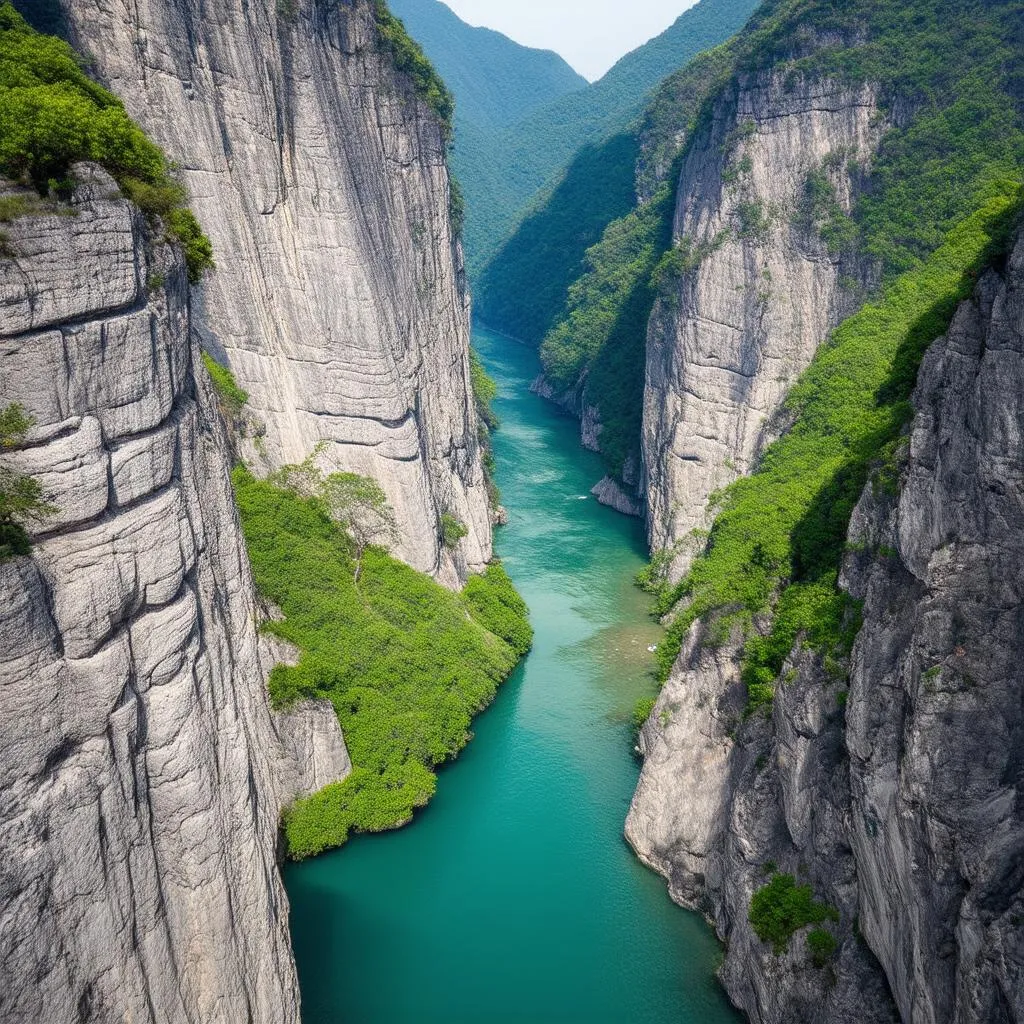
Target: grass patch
[231,395]
[781,908]
[779,538]
[405,663]
[52,115]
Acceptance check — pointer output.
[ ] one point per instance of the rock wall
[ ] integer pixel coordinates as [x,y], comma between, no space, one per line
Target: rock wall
[142,772]
[339,300]
[762,291]
[900,803]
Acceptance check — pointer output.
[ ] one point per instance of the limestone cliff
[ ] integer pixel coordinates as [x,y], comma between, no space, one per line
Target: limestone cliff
[759,291]
[339,300]
[901,802]
[143,773]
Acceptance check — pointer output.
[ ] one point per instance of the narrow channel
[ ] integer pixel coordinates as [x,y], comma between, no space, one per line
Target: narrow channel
[513,897]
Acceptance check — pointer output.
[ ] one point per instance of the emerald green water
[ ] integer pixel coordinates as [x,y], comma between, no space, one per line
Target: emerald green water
[513,897]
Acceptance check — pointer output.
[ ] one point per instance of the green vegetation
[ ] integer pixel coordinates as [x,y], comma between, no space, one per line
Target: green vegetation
[484,389]
[410,60]
[781,908]
[495,604]
[642,711]
[822,945]
[22,501]
[603,330]
[405,662]
[52,115]
[231,396]
[452,530]
[547,251]
[779,537]
[522,118]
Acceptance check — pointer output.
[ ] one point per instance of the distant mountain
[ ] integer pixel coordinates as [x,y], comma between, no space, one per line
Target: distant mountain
[503,170]
[495,80]
[595,182]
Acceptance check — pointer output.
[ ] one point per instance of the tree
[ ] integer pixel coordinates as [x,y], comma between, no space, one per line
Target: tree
[360,505]
[22,501]
[356,503]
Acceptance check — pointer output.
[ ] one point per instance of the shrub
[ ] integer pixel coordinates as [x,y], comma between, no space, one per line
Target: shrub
[485,390]
[22,501]
[781,908]
[52,115]
[642,711]
[822,945]
[232,396]
[452,530]
[405,662]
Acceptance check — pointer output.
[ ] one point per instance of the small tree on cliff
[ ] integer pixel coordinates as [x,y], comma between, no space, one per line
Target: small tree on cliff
[22,501]
[356,503]
[360,505]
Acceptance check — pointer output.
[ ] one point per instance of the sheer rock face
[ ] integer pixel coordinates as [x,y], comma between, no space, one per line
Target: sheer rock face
[902,808]
[339,298]
[936,712]
[142,772]
[732,334]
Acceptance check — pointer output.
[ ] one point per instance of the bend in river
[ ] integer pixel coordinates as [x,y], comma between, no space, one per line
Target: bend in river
[513,897]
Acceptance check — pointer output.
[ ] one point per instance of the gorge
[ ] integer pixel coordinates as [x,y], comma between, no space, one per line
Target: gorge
[272,540]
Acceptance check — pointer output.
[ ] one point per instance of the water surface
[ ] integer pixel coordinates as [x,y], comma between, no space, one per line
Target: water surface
[513,897]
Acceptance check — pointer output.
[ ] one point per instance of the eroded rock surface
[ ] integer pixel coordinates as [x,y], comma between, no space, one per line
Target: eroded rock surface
[339,300]
[760,295]
[142,772]
[900,803]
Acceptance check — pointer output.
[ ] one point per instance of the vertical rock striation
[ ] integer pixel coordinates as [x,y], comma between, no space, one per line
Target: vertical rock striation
[760,290]
[142,772]
[339,300]
[900,805]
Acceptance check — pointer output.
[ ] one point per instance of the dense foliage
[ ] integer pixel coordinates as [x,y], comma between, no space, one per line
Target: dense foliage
[52,115]
[405,662]
[22,501]
[603,330]
[523,289]
[778,538]
[504,165]
[409,59]
[781,908]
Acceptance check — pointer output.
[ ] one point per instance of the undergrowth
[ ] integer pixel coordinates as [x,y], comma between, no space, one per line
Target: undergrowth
[778,539]
[405,662]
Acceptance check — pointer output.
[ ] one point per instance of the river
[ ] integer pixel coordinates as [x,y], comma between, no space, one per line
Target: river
[513,897]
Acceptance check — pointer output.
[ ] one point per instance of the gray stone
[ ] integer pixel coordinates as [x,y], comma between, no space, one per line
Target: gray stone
[143,773]
[339,298]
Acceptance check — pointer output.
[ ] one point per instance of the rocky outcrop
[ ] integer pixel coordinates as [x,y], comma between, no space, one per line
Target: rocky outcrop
[339,300]
[142,772]
[759,291]
[609,492]
[899,802]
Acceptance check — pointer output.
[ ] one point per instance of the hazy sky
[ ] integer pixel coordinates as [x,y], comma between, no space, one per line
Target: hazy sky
[590,34]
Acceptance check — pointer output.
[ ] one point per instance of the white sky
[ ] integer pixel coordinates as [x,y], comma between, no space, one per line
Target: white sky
[590,34]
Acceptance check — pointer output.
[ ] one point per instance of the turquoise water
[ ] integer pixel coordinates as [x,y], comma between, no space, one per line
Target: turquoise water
[513,897]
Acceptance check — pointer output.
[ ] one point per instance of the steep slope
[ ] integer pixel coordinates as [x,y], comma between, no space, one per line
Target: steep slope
[495,80]
[536,157]
[143,771]
[895,802]
[319,173]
